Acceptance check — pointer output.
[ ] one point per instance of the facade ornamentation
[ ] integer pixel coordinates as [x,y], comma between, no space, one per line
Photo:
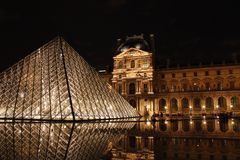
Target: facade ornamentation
[172,91]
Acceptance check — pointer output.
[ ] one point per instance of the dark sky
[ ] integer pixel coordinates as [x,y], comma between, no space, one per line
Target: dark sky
[185,31]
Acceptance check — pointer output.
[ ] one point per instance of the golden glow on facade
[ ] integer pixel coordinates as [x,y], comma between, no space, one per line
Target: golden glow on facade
[174,91]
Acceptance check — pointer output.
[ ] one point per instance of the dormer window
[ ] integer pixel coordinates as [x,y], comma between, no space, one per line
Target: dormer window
[120,64]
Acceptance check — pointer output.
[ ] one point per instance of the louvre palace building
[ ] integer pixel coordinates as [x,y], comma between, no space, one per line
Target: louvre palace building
[193,90]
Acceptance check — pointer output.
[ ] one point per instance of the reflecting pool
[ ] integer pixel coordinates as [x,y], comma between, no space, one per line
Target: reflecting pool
[163,139]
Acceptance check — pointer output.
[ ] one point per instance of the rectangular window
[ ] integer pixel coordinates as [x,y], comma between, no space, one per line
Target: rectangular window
[163,76]
[207,86]
[184,74]
[206,73]
[145,88]
[232,84]
[195,74]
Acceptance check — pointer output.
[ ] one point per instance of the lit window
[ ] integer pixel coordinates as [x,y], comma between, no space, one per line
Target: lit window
[145,63]
[120,64]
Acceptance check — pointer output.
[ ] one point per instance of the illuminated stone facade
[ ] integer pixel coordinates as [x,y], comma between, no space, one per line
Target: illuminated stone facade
[195,90]
[56,83]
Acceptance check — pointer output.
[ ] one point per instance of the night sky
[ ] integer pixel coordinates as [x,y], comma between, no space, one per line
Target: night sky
[185,31]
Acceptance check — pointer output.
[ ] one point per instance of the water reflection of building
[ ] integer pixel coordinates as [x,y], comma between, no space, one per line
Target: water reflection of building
[152,89]
[198,139]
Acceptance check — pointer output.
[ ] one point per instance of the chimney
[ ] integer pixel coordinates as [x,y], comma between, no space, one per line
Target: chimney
[152,46]
[118,43]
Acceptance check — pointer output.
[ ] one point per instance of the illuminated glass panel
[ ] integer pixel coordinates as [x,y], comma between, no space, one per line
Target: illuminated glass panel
[56,83]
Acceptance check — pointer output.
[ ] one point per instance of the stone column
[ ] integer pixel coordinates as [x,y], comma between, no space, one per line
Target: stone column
[124,87]
[138,142]
[138,89]
[150,91]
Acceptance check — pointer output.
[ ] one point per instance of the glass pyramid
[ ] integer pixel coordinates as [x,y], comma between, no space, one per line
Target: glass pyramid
[56,83]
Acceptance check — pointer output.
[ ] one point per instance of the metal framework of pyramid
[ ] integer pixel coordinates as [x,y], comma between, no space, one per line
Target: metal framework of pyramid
[56,83]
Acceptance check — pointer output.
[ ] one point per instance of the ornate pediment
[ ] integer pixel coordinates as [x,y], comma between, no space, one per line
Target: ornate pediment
[132,52]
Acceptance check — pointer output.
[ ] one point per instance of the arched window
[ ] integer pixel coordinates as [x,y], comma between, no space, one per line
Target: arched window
[197,103]
[235,101]
[173,105]
[132,88]
[209,103]
[162,104]
[222,102]
[132,64]
[185,103]
[132,103]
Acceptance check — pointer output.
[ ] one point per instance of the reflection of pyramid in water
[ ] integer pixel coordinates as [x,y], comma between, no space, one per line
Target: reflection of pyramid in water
[55,83]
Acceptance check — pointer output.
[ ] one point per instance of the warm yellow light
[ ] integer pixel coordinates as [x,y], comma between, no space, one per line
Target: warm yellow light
[190,107]
[217,106]
[231,105]
[191,122]
[203,107]
[148,107]
[148,123]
